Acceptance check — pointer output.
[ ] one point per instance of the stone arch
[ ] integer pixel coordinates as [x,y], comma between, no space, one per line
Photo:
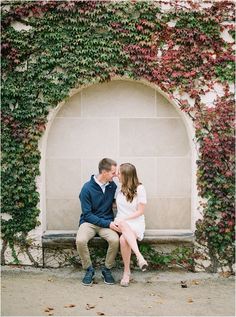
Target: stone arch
[164,204]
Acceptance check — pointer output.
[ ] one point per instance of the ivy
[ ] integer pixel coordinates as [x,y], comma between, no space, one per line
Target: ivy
[226,71]
[68,44]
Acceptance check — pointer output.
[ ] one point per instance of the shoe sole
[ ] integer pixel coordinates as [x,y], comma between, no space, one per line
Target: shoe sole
[144,268]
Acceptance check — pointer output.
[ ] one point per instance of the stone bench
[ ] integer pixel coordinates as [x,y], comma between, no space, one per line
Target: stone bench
[56,240]
[65,239]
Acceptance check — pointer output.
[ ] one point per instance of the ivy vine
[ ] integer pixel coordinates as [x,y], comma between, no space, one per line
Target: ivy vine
[68,44]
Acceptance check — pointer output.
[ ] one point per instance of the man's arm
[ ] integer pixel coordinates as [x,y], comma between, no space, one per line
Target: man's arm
[89,216]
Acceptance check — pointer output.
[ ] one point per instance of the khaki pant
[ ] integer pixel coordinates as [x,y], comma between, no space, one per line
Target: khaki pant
[86,232]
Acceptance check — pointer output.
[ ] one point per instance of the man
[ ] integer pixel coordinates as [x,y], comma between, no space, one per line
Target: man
[97,217]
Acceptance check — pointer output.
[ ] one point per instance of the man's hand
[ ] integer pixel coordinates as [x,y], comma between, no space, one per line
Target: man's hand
[114,227]
[118,221]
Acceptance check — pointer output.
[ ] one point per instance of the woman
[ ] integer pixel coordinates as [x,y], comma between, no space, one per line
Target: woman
[130,200]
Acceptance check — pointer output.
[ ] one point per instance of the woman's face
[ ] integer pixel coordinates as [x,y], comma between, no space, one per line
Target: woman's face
[119,175]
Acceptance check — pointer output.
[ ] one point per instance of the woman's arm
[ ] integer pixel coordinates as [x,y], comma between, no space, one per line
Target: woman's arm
[136,214]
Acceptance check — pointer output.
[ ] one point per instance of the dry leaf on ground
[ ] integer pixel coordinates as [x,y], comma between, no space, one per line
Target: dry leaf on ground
[225,274]
[89,306]
[69,305]
[195,282]
[48,309]
[100,313]
[183,284]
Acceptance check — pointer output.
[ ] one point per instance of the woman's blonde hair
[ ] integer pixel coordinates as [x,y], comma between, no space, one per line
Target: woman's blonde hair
[129,180]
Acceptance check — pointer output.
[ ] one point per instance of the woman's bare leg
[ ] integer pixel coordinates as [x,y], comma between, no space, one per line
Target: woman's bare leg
[126,254]
[130,237]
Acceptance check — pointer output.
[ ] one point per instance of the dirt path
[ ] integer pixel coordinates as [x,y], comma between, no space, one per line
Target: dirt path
[28,292]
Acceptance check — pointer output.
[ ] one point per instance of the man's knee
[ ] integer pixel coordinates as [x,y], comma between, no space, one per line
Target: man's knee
[81,241]
[114,240]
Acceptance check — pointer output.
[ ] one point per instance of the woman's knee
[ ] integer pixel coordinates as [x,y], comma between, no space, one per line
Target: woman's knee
[122,225]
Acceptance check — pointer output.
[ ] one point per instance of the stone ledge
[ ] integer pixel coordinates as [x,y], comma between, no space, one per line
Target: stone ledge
[63,240]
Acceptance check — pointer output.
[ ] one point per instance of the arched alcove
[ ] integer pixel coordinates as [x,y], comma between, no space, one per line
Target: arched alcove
[128,121]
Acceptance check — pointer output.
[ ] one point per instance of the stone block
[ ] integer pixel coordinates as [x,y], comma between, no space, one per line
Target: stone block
[153,137]
[63,214]
[63,178]
[168,213]
[118,99]
[173,176]
[72,107]
[80,138]
[165,108]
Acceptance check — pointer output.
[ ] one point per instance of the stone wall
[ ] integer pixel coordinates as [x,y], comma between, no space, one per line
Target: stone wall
[129,122]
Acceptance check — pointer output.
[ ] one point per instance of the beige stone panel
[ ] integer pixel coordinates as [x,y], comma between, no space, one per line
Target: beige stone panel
[168,213]
[75,138]
[173,176]
[118,99]
[153,137]
[146,170]
[71,108]
[63,178]
[164,107]
[63,214]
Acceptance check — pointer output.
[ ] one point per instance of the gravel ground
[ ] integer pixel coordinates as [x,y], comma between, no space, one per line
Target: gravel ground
[27,291]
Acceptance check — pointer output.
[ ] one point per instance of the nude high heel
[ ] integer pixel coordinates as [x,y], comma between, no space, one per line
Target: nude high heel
[142,263]
[125,280]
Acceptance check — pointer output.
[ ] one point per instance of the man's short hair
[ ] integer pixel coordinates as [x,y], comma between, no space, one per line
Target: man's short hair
[106,164]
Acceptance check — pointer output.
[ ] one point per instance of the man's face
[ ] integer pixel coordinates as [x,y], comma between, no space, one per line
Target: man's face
[108,175]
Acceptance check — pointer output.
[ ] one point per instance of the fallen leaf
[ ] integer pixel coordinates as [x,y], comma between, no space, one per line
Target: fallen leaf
[100,296]
[160,302]
[69,305]
[195,282]
[48,309]
[225,274]
[190,300]
[183,284]
[152,294]
[88,306]
[100,313]
[50,280]
[50,314]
